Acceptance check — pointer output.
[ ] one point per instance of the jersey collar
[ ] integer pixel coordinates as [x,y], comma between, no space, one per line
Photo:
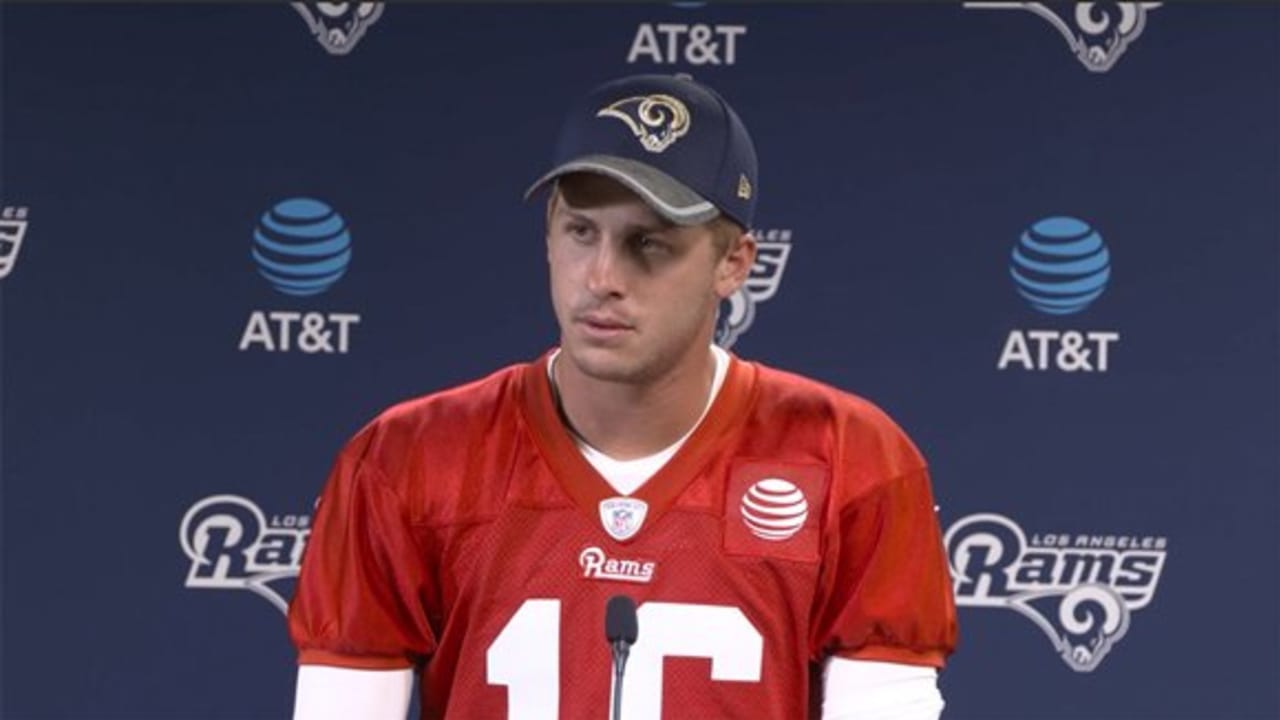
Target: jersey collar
[581,481]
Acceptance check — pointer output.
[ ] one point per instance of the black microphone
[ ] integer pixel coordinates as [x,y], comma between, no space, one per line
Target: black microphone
[620,629]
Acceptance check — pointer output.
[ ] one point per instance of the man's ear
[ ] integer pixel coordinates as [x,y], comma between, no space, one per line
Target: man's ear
[735,266]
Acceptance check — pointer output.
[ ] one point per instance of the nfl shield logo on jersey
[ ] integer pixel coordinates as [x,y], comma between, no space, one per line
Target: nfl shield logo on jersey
[622,516]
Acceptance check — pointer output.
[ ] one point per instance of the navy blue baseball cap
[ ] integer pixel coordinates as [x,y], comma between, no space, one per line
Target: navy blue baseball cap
[673,141]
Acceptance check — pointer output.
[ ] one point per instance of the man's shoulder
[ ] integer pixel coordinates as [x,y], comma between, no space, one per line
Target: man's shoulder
[443,424]
[455,405]
[446,454]
[861,432]
[783,389]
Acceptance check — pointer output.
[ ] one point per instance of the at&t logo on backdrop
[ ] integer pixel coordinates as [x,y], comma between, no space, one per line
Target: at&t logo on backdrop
[301,246]
[233,545]
[738,311]
[1098,33]
[13,228]
[1080,590]
[338,26]
[693,44]
[1060,266]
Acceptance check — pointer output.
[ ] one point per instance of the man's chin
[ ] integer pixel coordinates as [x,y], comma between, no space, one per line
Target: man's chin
[605,364]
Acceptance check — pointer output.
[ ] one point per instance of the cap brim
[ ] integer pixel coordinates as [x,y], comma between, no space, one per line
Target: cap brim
[667,196]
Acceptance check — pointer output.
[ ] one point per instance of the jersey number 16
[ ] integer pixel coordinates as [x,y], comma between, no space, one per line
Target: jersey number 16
[525,657]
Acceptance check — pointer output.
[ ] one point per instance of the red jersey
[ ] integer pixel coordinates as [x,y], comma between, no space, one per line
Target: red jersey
[465,533]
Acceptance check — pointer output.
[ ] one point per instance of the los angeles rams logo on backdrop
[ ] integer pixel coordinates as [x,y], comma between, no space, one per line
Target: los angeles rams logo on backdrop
[1097,32]
[738,311]
[657,121]
[1080,590]
[338,26]
[13,227]
[232,545]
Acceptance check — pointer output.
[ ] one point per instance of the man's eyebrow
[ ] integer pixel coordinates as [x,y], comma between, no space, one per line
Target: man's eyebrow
[657,225]
[569,213]
[651,227]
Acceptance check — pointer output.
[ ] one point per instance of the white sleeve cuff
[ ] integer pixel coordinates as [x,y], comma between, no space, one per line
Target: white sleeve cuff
[335,693]
[873,690]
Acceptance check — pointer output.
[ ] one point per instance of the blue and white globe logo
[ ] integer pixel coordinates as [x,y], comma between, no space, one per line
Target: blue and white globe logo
[302,246]
[1060,265]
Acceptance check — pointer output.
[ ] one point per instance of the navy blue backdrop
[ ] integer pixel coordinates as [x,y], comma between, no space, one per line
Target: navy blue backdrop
[1044,238]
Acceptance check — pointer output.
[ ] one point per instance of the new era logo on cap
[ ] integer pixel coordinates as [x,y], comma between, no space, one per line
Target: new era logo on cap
[671,140]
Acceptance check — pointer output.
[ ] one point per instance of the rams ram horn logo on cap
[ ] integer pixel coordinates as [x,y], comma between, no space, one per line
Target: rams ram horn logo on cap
[656,120]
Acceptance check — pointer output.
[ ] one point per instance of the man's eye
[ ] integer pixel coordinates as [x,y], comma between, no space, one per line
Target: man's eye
[577,231]
[650,244]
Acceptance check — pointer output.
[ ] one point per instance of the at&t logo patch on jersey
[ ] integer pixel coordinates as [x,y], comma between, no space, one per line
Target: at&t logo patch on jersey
[622,516]
[773,509]
[13,227]
[1080,590]
[302,247]
[1098,33]
[597,565]
[1060,266]
[338,26]
[232,545]
[738,311]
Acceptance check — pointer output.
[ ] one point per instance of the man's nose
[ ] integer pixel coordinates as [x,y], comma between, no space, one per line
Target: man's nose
[605,274]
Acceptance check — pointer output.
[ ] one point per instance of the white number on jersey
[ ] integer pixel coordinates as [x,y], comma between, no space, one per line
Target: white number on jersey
[526,658]
[526,654]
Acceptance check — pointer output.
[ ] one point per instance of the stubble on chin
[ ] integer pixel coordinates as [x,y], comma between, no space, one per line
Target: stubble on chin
[605,365]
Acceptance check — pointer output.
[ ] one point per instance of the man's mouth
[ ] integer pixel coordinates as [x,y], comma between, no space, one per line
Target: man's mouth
[603,325]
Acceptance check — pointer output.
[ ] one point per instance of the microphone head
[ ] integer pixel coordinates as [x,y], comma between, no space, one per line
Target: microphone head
[620,620]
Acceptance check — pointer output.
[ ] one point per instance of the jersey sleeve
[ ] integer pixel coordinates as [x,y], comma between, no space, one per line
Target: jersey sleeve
[885,590]
[361,599]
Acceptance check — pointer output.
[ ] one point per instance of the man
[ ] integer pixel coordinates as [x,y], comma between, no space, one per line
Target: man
[760,520]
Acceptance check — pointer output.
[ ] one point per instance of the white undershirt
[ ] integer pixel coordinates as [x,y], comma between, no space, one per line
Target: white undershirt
[851,689]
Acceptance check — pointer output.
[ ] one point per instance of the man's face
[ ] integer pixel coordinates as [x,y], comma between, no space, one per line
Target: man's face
[635,295]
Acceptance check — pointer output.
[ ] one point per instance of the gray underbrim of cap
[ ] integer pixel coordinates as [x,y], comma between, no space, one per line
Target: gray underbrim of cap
[667,196]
